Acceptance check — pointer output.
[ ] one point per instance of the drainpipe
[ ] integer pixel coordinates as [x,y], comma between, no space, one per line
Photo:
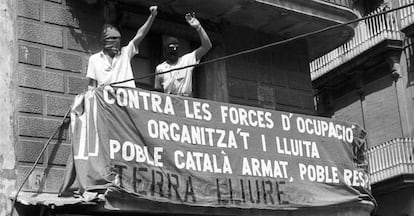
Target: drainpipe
[395,68]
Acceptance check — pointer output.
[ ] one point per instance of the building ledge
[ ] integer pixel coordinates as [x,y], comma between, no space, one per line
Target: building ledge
[408,30]
[376,55]
[127,205]
[393,184]
[48,199]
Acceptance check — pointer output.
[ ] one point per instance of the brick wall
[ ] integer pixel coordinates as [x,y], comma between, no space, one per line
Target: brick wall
[55,39]
[275,78]
[376,111]
[382,116]
[407,73]
[349,108]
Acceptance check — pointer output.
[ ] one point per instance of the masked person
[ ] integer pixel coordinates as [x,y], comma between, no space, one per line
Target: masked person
[113,64]
[179,82]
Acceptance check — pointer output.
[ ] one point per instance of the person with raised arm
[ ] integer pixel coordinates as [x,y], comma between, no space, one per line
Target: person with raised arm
[113,63]
[179,82]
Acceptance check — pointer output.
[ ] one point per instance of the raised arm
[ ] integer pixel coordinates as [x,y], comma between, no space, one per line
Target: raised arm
[145,28]
[205,40]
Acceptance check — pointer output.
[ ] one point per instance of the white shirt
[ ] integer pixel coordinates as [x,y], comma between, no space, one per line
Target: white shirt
[177,82]
[105,72]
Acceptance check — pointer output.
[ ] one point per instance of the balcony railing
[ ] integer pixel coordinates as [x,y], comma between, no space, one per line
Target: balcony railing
[346,3]
[368,33]
[406,14]
[390,159]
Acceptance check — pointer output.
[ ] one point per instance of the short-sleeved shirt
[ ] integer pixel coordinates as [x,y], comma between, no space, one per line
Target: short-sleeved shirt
[177,82]
[105,72]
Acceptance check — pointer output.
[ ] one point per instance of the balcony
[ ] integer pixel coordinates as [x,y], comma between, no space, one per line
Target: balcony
[368,34]
[277,18]
[391,159]
[345,3]
[407,18]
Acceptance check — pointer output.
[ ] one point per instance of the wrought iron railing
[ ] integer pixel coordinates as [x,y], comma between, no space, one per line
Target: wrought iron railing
[368,33]
[346,3]
[406,14]
[390,159]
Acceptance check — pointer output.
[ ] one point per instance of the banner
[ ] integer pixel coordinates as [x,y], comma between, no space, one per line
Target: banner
[193,152]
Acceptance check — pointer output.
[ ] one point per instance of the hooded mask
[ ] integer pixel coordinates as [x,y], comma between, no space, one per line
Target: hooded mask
[171,48]
[111,39]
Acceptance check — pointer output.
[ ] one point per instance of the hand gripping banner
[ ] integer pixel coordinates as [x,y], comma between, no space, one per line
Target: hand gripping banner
[191,152]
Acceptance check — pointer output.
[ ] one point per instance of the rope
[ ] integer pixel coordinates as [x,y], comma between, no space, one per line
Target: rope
[267,45]
[37,160]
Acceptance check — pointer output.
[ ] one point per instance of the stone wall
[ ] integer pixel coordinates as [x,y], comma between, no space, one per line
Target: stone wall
[54,41]
[8,173]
